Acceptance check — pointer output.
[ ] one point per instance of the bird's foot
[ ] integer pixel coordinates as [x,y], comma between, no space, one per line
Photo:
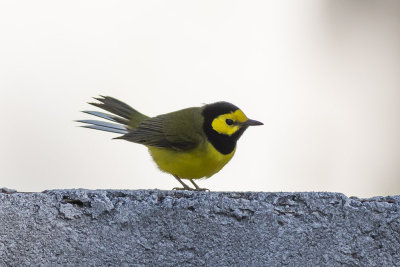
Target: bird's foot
[191,189]
[186,187]
[197,188]
[202,189]
[183,188]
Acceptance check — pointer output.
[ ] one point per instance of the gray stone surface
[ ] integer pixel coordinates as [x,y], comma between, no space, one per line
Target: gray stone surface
[175,228]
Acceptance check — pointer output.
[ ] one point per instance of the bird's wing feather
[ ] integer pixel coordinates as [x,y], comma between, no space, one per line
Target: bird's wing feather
[180,130]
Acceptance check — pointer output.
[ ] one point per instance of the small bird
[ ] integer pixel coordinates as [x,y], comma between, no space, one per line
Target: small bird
[191,143]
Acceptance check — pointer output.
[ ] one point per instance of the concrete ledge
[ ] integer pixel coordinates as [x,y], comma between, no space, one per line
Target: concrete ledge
[175,228]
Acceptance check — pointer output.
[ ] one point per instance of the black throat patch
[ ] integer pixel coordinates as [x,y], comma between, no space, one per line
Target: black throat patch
[225,144]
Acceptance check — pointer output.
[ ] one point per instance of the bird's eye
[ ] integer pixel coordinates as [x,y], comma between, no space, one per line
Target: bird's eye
[229,121]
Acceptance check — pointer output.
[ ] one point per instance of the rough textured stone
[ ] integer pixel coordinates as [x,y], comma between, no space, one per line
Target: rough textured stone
[176,228]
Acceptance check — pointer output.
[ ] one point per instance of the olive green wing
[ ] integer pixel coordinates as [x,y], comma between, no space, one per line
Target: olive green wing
[179,130]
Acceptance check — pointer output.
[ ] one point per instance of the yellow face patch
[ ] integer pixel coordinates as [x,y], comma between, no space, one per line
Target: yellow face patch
[228,123]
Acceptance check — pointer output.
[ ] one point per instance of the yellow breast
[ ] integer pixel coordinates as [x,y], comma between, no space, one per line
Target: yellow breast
[202,161]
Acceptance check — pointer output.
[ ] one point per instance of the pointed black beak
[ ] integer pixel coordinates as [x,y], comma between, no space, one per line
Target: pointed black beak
[250,122]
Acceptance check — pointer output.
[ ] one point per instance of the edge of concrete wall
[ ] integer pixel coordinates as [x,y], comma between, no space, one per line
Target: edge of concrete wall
[177,228]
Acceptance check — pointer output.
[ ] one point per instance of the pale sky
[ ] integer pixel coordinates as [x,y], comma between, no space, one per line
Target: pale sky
[323,76]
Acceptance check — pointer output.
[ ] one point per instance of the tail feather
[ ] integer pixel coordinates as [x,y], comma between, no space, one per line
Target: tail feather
[117,107]
[105,124]
[125,116]
[106,129]
[107,116]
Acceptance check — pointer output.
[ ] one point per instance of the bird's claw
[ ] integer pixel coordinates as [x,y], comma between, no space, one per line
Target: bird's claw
[191,189]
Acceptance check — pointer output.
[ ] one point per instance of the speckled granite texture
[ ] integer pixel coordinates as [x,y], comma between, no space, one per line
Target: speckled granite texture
[176,228]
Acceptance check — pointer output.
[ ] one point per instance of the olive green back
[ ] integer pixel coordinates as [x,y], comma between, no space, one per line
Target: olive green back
[179,130]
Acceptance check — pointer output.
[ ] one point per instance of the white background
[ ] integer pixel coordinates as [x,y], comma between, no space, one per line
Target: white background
[323,76]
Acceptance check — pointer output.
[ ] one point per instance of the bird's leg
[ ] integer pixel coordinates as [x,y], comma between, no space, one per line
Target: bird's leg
[197,187]
[185,186]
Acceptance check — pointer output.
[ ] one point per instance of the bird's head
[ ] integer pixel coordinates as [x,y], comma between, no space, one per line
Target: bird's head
[224,123]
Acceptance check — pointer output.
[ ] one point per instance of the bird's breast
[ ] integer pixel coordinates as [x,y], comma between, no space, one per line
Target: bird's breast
[202,161]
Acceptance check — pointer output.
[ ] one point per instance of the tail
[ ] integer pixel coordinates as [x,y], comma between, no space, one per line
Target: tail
[125,117]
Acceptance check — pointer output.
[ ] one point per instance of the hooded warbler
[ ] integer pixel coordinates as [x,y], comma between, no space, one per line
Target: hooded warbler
[191,143]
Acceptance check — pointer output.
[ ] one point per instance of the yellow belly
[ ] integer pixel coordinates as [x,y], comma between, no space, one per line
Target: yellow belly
[203,161]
